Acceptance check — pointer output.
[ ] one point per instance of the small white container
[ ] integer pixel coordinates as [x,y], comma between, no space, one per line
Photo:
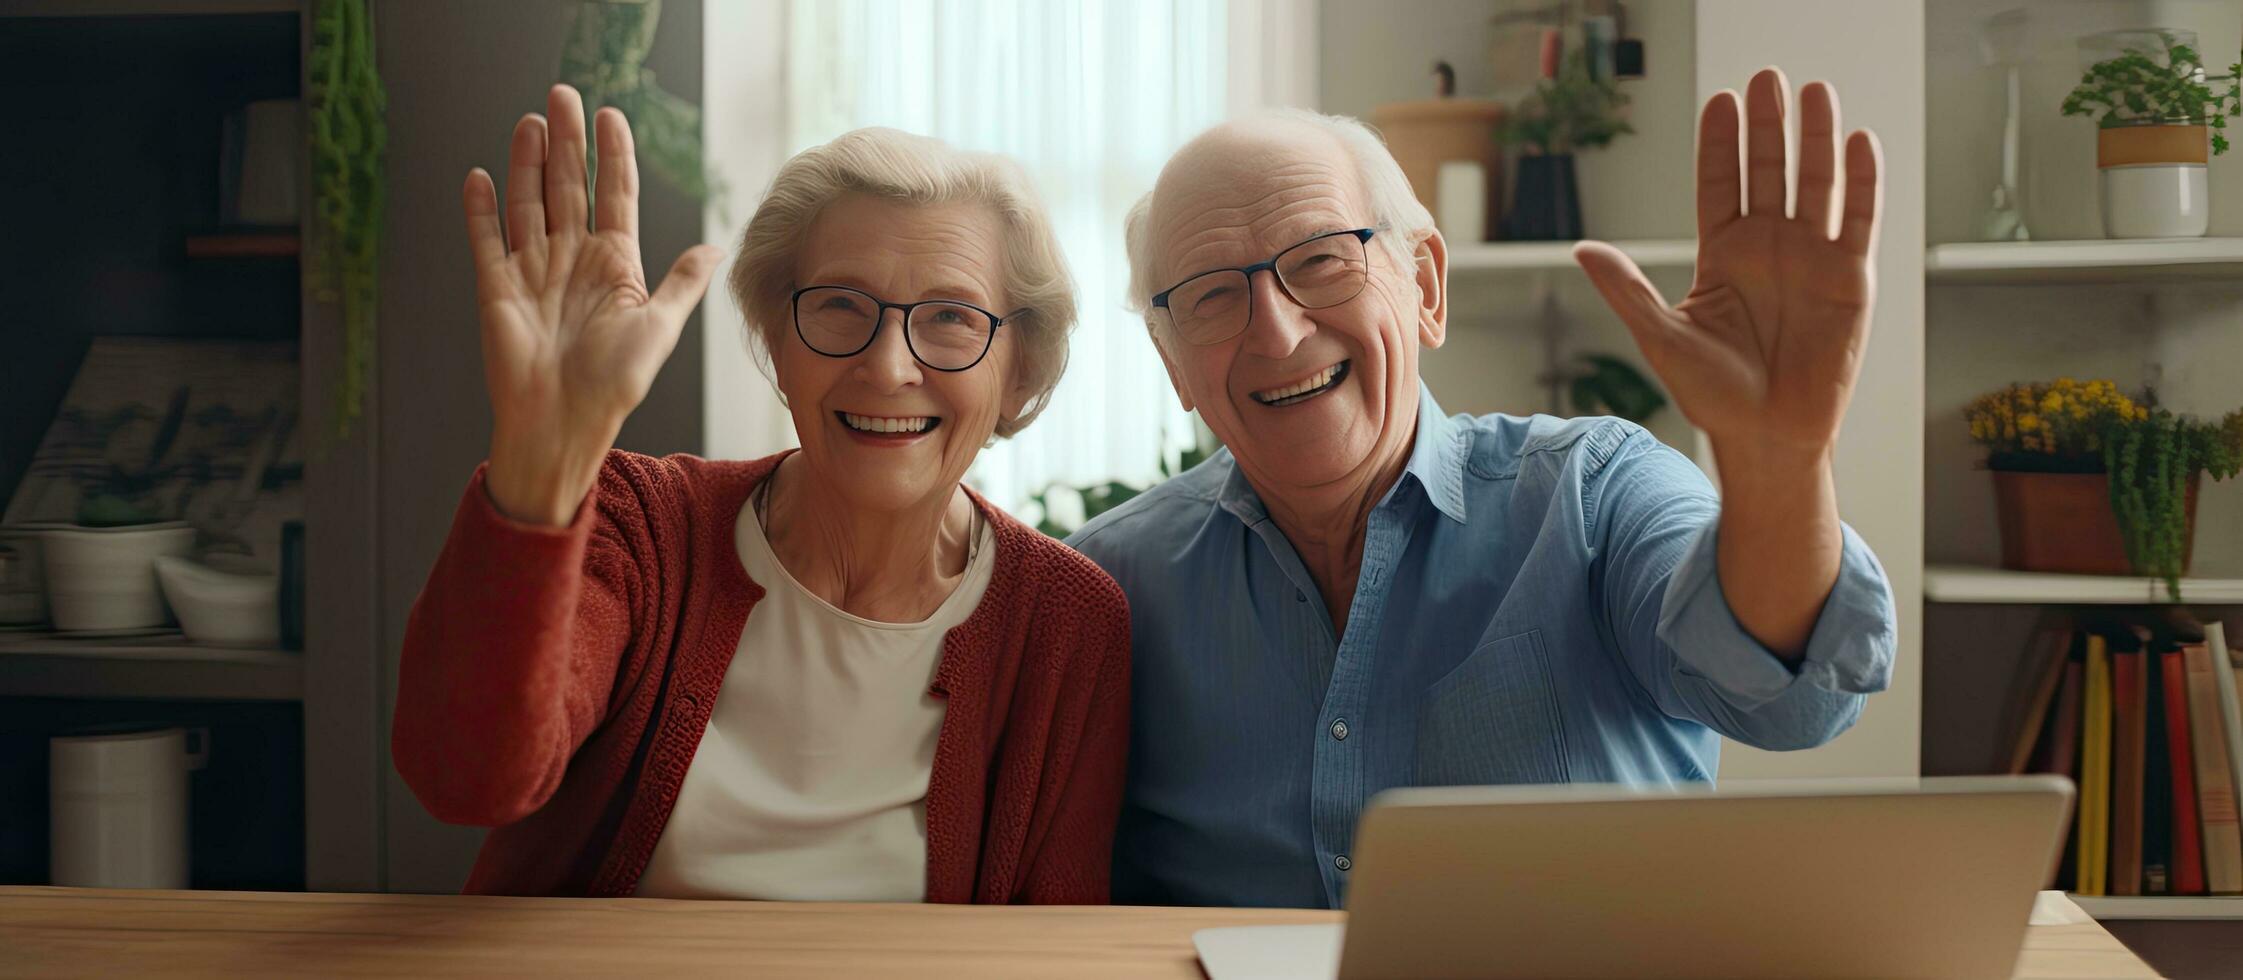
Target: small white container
[104,578]
[1461,187]
[2156,200]
[216,605]
[117,805]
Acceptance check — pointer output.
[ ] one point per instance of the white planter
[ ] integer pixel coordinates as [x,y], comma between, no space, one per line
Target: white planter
[2156,200]
[104,578]
[117,801]
[23,591]
[220,606]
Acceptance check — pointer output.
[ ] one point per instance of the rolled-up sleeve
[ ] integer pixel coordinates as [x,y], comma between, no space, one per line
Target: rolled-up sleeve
[1660,519]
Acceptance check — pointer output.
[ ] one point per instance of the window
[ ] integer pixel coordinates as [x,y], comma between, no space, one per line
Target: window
[1091,97]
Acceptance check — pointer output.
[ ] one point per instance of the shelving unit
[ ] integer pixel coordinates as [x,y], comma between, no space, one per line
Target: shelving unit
[1516,257]
[2161,906]
[2093,261]
[245,243]
[49,665]
[158,260]
[2143,313]
[1971,584]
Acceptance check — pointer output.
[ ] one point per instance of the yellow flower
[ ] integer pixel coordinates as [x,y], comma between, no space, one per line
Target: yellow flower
[2028,422]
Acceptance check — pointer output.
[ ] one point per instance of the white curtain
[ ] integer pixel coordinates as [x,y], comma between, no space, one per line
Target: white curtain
[1091,97]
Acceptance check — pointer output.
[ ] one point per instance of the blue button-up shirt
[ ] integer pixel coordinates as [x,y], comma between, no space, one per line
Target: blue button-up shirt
[1537,603]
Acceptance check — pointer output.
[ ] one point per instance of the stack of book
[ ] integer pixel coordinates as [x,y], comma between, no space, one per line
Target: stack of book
[2145,717]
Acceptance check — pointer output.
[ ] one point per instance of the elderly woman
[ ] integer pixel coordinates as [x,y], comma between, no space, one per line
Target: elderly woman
[832,674]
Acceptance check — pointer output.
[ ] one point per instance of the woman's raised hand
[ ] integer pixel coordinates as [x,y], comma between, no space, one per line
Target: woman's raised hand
[572,338]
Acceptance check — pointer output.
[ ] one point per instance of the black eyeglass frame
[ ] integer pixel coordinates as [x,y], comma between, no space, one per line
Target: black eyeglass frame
[880,319]
[1362,236]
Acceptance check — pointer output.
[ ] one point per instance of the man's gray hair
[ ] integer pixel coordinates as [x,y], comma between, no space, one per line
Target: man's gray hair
[1402,218]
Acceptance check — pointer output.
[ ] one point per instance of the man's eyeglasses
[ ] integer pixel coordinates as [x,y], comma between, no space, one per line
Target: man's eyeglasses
[945,335]
[1213,307]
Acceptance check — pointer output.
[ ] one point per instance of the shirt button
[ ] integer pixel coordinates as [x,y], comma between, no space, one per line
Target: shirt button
[1341,862]
[1299,596]
[1339,730]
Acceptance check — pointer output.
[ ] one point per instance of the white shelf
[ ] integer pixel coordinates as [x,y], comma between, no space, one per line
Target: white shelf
[57,665]
[2100,260]
[148,8]
[1501,257]
[1964,583]
[2160,906]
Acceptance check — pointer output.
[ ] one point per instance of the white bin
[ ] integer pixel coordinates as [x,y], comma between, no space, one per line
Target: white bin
[118,806]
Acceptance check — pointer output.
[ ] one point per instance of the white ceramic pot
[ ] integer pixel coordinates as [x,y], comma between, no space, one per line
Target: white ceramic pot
[117,807]
[221,606]
[2156,200]
[2153,180]
[104,578]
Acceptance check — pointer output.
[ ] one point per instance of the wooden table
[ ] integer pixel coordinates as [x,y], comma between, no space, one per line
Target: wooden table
[83,932]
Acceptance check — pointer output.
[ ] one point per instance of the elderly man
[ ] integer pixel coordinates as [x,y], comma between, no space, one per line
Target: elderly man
[1361,592]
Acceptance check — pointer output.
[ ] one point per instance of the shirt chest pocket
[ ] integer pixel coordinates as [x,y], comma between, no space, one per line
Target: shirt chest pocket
[1493,719]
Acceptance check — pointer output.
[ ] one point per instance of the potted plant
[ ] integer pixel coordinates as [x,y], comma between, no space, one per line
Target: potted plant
[1571,111]
[2090,481]
[1606,385]
[2160,119]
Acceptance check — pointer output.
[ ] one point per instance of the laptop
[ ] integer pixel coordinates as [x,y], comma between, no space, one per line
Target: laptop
[1800,879]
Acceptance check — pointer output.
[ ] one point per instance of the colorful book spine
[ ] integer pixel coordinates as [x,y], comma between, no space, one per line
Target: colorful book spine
[2215,777]
[2128,710]
[2157,779]
[2095,771]
[2044,663]
[2186,872]
[2231,711]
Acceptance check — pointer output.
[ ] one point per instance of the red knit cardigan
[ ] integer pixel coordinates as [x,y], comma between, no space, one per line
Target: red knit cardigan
[556,683]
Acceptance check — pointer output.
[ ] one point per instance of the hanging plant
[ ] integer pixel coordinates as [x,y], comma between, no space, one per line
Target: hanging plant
[2151,461]
[348,137]
[605,59]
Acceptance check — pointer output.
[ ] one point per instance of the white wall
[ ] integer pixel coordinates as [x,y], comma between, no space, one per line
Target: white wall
[1874,54]
[743,117]
[1639,187]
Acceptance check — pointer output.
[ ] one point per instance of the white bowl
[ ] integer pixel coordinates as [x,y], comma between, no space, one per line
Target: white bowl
[104,578]
[220,606]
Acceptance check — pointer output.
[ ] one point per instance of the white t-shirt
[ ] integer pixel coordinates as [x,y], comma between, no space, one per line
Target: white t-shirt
[810,783]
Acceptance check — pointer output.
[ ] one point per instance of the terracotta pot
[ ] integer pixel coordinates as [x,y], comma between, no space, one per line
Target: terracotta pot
[1424,135]
[2062,522]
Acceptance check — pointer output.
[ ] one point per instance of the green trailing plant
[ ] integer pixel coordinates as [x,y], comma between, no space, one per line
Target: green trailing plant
[2141,87]
[1607,385]
[1574,111]
[348,141]
[605,59]
[2151,462]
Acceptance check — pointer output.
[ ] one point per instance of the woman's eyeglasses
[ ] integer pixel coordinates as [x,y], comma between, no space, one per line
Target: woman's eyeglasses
[945,335]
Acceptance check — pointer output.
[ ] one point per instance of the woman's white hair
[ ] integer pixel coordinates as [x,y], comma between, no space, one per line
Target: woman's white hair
[1402,218]
[896,166]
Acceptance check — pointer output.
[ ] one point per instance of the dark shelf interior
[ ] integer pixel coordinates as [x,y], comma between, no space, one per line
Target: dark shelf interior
[113,162]
[245,809]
